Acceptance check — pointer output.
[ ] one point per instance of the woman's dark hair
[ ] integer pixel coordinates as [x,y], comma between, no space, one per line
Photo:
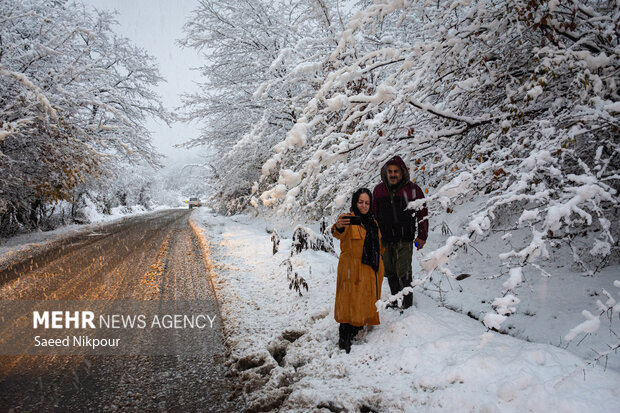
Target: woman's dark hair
[356,197]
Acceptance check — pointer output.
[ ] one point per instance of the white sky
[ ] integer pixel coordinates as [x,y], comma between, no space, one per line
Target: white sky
[155,25]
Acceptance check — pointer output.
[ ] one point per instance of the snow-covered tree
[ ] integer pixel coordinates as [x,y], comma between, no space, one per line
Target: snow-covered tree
[483,88]
[73,99]
[263,62]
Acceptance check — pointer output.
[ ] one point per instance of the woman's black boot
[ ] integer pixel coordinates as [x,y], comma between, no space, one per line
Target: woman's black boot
[351,331]
[355,330]
[342,331]
[344,341]
[347,342]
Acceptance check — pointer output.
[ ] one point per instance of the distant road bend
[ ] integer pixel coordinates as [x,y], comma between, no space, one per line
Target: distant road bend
[153,256]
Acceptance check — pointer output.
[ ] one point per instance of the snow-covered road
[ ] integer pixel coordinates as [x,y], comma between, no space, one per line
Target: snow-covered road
[152,261]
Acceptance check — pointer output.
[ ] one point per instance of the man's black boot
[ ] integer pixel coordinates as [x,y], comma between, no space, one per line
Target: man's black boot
[407,301]
[395,284]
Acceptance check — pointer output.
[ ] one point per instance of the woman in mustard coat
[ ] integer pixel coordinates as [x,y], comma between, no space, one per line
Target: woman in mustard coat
[360,268]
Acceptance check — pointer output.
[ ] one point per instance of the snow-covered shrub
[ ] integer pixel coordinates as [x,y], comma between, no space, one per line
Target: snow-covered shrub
[275,241]
[295,281]
[305,238]
[610,309]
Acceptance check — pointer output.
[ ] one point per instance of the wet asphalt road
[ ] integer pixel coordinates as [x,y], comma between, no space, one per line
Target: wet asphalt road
[148,257]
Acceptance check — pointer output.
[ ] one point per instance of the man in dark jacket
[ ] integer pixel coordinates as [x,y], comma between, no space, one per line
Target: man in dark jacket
[398,224]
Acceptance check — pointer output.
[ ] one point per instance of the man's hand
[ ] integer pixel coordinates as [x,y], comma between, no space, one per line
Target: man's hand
[419,243]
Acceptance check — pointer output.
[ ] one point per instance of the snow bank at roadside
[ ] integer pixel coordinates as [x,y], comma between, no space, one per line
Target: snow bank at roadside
[284,347]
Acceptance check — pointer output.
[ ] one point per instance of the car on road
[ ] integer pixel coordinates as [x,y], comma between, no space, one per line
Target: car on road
[194,202]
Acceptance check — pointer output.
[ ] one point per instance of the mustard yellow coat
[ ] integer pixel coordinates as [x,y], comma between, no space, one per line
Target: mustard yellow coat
[358,287]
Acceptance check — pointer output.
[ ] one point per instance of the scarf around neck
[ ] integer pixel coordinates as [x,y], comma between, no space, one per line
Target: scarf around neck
[371,249]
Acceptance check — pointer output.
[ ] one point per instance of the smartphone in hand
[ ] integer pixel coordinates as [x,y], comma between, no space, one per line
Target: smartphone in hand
[354,220]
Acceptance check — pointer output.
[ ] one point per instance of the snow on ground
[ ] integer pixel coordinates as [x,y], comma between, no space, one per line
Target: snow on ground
[429,358]
[552,296]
